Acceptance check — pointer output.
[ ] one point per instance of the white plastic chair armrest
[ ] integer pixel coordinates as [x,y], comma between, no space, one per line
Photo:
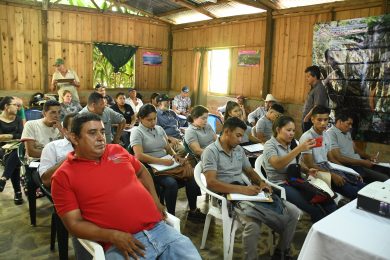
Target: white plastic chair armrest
[173,221]
[95,249]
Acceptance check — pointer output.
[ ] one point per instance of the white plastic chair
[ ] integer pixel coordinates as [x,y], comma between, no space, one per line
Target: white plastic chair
[258,165]
[229,225]
[96,250]
[271,235]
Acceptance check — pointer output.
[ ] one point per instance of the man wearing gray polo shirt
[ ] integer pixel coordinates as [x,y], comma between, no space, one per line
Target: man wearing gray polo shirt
[109,117]
[223,163]
[344,151]
[316,157]
[317,95]
[264,125]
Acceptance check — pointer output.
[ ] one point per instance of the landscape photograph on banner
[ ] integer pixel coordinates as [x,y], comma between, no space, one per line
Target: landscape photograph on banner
[354,59]
[152,58]
[248,58]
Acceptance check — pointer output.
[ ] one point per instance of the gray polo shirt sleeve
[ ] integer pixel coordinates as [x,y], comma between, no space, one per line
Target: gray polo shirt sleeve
[245,163]
[210,158]
[334,144]
[260,127]
[269,151]
[115,117]
[190,136]
[136,137]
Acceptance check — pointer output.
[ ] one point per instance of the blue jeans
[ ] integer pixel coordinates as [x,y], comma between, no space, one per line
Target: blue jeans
[161,242]
[316,212]
[348,190]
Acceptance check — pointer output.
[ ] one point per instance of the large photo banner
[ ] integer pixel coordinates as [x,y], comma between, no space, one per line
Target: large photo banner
[354,57]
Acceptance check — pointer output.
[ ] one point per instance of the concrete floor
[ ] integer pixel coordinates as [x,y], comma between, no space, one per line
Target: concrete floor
[18,240]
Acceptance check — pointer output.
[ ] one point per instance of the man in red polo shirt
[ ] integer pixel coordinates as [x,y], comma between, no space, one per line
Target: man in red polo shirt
[103,193]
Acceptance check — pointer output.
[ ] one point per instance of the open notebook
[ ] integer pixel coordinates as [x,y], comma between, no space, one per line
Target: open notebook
[262,196]
[160,168]
[252,148]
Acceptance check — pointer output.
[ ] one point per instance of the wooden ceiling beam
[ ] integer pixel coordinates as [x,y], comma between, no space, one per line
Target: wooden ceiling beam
[195,8]
[254,4]
[185,9]
[270,4]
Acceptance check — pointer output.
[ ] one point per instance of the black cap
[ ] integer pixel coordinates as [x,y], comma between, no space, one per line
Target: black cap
[185,89]
[162,97]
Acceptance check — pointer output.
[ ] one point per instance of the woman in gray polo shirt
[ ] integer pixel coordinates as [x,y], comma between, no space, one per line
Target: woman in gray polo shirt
[233,109]
[199,133]
[278,155]
[150,144]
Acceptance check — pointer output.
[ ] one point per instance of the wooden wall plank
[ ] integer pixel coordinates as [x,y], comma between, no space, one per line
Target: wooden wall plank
[5,54]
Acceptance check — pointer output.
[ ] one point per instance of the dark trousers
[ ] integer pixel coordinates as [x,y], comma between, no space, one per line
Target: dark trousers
[12,169]
[315,211]
[376,173]
[170,187]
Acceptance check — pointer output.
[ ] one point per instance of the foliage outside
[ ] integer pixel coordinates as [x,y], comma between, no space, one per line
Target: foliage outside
[103,72]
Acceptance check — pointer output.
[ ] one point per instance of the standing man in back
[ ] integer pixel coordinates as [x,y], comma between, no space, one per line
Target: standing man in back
[317,95]
[65,79]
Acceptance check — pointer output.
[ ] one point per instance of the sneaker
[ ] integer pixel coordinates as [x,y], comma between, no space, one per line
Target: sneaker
[2,184]
[18,199]
[196,215]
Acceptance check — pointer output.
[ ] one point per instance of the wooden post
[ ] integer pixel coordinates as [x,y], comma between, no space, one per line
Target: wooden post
[169,61]
[386,8]
[268,54]
[45,47]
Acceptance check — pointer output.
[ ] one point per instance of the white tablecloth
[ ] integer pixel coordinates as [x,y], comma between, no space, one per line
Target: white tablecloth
[348,233]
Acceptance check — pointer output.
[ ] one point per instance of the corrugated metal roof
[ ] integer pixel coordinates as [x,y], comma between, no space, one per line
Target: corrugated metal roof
[296,3]
[232,9]
[154,6]
[187,17]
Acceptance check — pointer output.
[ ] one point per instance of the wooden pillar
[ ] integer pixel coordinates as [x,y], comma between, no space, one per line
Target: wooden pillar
[45,47]
[268,54]
[169,61]
[386,8]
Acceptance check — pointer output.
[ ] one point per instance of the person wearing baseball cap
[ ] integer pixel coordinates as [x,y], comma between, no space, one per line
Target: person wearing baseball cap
[170,122]
[181,103]
[64,79]
[261,111]
[133,101]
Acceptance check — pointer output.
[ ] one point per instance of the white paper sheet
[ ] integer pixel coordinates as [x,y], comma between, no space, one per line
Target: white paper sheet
[262,196]
[160,168]
[252,148]
[343,168]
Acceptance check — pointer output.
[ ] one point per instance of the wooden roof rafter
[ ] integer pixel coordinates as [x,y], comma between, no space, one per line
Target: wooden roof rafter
[267,5]
[199,9]
[179,10]
[119,3]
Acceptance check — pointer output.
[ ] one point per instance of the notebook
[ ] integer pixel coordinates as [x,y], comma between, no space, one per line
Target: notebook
[161,168]
[252,148]
[262,197]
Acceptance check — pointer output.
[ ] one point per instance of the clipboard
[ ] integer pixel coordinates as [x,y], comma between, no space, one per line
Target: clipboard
[65,80]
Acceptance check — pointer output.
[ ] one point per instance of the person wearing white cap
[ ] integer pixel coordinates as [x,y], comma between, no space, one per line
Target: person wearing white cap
[261,111]
[181,103]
